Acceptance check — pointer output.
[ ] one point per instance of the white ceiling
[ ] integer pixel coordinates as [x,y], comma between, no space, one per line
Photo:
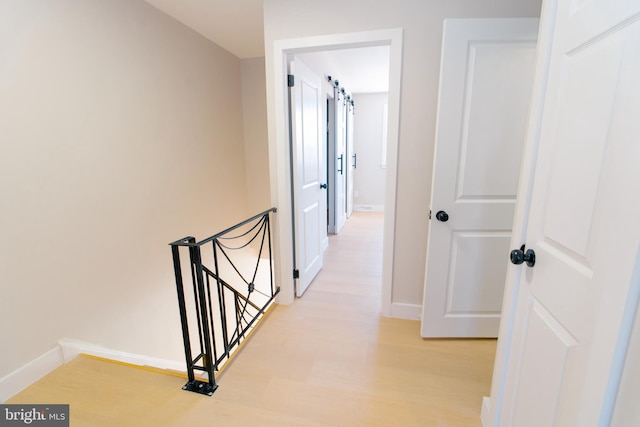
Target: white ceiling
[238,27]
[359,70]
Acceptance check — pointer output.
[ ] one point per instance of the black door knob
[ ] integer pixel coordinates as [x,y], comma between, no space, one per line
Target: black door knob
[442,216]
[323,186]
[518,256]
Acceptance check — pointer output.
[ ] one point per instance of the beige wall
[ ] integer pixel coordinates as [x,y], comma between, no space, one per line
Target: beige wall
[254,104]
[120,131]
[422,25]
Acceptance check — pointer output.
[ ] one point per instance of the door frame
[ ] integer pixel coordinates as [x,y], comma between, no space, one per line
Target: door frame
[279,155]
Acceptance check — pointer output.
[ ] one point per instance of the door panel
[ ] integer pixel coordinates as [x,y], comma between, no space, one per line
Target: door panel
[535,405]
[485,84]
[473,259]
[495,107]
[312,248]
[308,173]
[580,165]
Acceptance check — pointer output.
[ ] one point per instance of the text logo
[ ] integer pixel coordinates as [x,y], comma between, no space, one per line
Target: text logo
[34,415]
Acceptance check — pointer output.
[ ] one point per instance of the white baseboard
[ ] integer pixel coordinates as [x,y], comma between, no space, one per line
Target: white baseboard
[406,311]
[16,381]
[72,348]
[66,350]
[369,208]
[485,413]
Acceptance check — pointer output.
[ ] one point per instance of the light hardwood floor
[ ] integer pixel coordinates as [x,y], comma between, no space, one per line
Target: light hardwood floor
[327,360]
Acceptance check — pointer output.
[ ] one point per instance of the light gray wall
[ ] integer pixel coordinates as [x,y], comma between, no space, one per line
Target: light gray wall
[256,148]
[120,131]
[421,22]
[369,176]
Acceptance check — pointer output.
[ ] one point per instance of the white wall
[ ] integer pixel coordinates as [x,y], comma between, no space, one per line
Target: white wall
[254,104]
[422,25]
[120,131]
[369,176]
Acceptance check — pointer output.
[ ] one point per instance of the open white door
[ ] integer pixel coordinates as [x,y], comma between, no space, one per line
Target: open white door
[342,162]
[485,85]
[580,213]
[310,212]
[351,168]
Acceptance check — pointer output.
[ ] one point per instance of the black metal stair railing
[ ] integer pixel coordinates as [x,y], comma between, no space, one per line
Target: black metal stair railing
[228,296]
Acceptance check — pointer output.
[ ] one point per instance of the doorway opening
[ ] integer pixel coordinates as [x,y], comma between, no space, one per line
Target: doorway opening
[280,182]
[356,84]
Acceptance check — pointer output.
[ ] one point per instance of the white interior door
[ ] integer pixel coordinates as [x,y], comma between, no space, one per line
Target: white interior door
[485,85]
[575,307]
[341,162]
[310,211]
[350,169]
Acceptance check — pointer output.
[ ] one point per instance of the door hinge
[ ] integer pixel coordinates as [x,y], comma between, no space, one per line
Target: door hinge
[296,273]
[429,213]
[290,80]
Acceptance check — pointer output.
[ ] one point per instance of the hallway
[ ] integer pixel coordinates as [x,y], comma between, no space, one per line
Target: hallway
[327,360]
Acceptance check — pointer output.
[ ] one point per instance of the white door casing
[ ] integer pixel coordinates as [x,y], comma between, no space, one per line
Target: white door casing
[308,173]
[279,150]
[570,316]
[485,85]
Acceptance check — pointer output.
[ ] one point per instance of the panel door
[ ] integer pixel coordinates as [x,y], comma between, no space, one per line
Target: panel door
[485,86]
[351,168]
[342,162]
[576,305]
[310,217]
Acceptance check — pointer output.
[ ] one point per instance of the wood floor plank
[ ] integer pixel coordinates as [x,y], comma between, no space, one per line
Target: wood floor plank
[329,359]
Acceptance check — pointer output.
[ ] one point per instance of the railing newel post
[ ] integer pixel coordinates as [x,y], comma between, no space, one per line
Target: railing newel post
[183,311]
[271,279]
[204,324]
[196,297]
